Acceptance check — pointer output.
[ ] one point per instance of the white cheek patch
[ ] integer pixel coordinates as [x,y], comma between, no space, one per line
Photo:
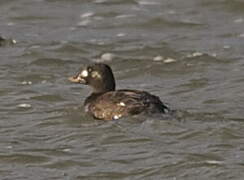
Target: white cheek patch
[84,73]
[96,75]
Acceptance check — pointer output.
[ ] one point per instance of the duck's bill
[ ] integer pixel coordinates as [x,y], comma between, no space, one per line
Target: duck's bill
[77,80]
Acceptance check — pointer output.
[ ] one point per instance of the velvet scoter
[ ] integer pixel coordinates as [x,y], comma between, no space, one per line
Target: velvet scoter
[106,103]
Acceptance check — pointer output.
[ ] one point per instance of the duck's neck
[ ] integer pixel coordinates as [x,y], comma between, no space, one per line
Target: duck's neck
[92,97]
[103,87]
[99,89]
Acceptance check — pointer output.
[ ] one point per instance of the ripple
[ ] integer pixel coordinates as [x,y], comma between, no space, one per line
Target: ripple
[23,159]
[68,163]
[117,2]
[48,98]
[145,2]
[30,18]
[159,22]
[84,23]
[87,15]
[71,48]
[50,62]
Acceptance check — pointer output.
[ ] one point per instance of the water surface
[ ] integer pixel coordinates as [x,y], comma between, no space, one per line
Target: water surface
[189,54]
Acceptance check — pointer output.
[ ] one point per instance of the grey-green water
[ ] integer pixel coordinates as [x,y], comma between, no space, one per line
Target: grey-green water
[190,53]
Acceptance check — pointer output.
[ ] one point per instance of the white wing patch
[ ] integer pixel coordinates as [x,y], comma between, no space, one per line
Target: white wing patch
[117,116]
[121,104]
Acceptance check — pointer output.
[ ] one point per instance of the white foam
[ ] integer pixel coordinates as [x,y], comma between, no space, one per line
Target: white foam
[24,105]
[120,34]
[125,16]
[67,150]
[44,81]
[241,35]
[158,58]
[214,162]
[87,15]
[10,24]
[195,54]
[226,47]
[84,22]
[144,2]
[169,60]
[26,82]
[107,57]
[239,20]
[100,1]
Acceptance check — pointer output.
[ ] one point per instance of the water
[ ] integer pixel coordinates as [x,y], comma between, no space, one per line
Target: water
[190,54]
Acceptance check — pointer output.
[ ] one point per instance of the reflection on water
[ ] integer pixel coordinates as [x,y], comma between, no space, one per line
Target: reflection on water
[190,54]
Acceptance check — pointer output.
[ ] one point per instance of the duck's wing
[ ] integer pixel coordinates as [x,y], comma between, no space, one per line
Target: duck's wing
[115,104]
[143,101]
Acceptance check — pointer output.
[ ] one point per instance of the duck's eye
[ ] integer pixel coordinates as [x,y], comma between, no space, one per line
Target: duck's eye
[89,69]
[84,73]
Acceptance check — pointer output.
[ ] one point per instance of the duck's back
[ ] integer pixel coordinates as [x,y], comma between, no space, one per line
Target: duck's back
[116,104]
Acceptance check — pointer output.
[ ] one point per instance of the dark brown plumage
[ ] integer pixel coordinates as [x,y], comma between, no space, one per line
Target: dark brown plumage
[106,103]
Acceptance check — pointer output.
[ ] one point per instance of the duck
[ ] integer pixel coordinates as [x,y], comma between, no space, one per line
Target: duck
[6,42]
[107,103]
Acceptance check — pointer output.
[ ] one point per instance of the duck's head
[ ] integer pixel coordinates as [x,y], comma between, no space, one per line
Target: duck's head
[99,76]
